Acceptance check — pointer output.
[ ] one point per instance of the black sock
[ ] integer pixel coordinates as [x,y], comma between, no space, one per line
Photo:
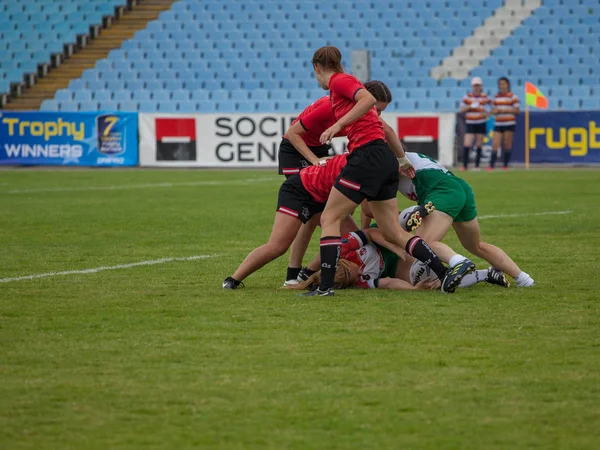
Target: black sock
[418,248]
[478,158]
[308,271]
[292,273]
[331,247]
[494,158]
[466,157]
[507,157]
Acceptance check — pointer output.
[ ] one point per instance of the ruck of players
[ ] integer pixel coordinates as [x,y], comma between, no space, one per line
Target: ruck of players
[389,249]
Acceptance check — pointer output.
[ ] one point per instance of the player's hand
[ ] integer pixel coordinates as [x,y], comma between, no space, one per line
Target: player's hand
[330,133]
[428,285]
[406,168]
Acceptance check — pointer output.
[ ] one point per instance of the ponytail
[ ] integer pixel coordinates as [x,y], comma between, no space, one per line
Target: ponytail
[379,90]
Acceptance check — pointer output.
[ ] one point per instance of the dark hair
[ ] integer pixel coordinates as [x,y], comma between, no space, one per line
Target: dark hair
[505,79]
[329,58]
[379,90]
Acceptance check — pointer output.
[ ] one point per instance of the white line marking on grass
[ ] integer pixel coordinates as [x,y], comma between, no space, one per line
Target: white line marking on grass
[103,268]
[144,186]
[502,216]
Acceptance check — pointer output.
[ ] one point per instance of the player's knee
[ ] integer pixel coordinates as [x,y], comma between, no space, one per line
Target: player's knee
[277,249]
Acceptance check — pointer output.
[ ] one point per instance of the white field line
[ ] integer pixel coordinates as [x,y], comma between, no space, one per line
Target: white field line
[103,268]
[144,186]
[502,216]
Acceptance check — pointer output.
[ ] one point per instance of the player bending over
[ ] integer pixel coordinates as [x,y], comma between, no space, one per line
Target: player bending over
[454,206]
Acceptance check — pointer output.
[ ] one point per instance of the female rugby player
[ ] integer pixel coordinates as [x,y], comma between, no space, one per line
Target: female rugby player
[371,173]
[301,197]
[453,205]
[505,106]
[311,124]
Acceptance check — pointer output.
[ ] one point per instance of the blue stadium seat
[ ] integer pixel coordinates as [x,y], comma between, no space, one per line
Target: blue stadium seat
[265,106]
[148,106]
[49,105]
[102,94]
[161,97]
[108,105]
[128,105]
[88,106]
[122,94]
[226,106]
[200,95]
[219,95]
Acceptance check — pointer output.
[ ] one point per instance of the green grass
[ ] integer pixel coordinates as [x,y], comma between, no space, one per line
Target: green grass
[160,357]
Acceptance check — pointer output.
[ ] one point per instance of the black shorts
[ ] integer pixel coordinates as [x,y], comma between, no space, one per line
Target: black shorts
[371,172]
[476,128]
[504,128]
[290,161]
[294,200]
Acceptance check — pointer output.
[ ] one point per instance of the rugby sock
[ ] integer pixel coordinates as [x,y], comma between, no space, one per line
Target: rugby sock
[331,246]
[353,241]
[455,260]
[466,157]
[524,280]
[494,158]
[419,249]
[292,273]
[478,158]
[473,278]
[507,157]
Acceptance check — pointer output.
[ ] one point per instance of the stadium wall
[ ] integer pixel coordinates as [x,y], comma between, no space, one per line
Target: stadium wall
[252,140]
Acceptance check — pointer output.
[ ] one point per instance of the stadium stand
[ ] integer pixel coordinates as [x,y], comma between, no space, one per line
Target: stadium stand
[32,31]
[234,56]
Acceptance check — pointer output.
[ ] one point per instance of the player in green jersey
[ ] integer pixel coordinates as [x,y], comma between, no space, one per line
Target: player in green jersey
[446,201]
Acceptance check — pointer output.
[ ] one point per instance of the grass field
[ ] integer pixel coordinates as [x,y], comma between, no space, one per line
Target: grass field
[160,357]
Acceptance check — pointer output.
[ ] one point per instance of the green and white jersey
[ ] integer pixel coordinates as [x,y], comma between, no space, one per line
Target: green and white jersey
[422,164]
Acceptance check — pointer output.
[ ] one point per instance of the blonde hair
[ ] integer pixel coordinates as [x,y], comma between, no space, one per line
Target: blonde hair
[344,277]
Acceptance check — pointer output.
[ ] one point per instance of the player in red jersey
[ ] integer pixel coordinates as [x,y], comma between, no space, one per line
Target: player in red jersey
[371,173]
[313,121]
[292,157]
[301,197]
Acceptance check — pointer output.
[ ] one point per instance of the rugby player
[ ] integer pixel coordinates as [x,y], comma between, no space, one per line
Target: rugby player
[474,104]
[505,108]
[452,204]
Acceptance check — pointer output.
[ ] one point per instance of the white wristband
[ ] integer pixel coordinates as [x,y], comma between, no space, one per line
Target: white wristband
[404,161]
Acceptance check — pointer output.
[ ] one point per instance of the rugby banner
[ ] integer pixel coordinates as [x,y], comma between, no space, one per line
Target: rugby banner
[252,140]
[571,137]
[68,138]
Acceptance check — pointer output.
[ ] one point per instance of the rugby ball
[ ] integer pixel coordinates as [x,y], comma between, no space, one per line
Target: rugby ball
[405,215]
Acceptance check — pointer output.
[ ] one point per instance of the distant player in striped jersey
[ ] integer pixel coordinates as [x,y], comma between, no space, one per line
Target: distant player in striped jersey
[505,106]
[475,105]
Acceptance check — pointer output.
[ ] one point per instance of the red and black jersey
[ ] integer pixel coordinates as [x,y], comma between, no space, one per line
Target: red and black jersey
[315,119]
[342,92]
[318,180]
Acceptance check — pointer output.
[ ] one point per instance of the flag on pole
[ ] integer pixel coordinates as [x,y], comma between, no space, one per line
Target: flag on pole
[534,97]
